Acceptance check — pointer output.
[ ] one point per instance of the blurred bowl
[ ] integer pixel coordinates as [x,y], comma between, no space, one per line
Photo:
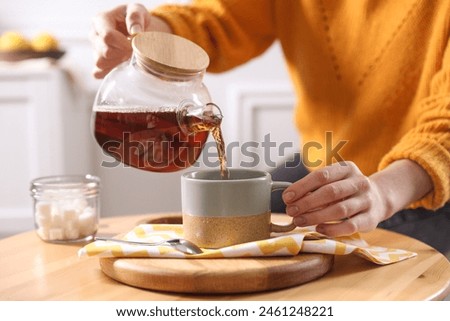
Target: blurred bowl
[29,54]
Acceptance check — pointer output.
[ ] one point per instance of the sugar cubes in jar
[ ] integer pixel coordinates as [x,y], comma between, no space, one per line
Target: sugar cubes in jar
[66,208]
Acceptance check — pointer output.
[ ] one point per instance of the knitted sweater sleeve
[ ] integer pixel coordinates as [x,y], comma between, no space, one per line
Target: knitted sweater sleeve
[231,31]
[428,143]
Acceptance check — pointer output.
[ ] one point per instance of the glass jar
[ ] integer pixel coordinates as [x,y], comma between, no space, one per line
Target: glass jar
[154,112]
[66,208]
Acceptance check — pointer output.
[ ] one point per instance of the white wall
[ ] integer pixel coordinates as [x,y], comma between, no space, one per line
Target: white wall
[126,190]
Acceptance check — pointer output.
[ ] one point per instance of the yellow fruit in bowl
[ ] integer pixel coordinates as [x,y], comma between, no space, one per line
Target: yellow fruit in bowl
[44,42]
[12,41]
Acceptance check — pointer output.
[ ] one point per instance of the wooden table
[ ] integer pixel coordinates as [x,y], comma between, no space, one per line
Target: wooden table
[31,269]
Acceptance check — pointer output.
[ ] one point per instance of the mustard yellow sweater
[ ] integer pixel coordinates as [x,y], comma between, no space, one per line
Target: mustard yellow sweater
[375,73]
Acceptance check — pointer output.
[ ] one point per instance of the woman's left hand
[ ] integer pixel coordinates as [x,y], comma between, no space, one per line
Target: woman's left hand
[339,199]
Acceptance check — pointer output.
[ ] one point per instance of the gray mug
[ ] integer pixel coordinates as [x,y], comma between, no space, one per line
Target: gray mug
[222,212]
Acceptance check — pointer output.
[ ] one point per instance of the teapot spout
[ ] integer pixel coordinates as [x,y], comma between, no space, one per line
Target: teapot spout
[194,118]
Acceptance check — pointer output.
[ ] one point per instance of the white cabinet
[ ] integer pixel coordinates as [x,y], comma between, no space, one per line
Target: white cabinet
[44,130]
[261,121]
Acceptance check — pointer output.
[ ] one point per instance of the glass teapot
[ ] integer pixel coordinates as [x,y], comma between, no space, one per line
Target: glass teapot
[154,112]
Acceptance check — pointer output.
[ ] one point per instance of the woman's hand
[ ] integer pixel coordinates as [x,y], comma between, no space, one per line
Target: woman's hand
[340,200]
[111,34]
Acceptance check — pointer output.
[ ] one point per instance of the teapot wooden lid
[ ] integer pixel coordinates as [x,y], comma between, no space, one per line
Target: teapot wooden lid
[166,52]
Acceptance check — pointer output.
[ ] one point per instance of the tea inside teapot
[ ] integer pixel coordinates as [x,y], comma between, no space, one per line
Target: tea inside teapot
[153,140]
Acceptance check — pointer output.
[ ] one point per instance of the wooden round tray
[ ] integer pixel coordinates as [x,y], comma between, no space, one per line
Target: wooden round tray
[230,275]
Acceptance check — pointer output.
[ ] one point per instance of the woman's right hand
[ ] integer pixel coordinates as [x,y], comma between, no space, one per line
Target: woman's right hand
[111,34]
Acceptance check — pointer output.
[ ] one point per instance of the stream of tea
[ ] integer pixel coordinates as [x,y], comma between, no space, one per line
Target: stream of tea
[212,123]
[218,137]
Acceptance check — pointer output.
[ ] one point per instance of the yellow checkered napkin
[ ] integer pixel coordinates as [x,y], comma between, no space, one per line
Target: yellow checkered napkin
[305,240]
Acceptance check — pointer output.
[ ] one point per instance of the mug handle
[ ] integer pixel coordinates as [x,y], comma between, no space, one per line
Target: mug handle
[281,228]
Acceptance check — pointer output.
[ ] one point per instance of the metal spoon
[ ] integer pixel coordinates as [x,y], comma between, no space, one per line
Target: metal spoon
[181,245]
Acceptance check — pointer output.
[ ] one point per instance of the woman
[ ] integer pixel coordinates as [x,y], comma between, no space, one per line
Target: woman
[374,74]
